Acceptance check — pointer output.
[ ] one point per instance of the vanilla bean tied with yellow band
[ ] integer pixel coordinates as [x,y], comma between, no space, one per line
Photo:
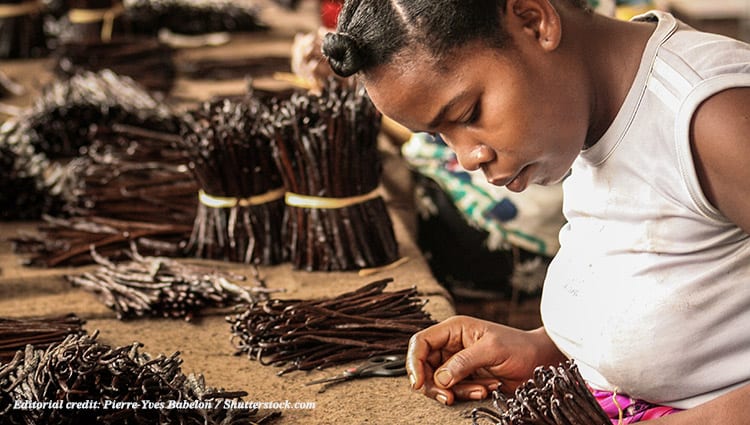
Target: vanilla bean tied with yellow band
[226,202]
[106,16]
[303,201]
[326,149]
[241,199]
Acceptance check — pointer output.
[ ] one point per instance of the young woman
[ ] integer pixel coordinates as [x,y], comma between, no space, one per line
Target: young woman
[648,122]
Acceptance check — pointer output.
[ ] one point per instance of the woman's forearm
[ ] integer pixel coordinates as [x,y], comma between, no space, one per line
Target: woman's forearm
[729,409]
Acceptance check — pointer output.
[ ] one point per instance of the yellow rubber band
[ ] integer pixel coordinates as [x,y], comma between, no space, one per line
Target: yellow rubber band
[318,202]
[105,16]
[20,9]
[227,202]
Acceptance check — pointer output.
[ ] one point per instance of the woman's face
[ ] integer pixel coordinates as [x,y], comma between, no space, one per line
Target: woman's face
[520,124]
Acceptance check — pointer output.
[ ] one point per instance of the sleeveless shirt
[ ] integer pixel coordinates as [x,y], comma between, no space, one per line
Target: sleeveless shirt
[650,291]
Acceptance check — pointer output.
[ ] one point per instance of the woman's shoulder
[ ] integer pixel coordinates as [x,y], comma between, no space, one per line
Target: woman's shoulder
[704,54]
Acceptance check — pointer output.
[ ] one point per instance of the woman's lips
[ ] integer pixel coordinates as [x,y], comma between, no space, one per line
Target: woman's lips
[515,182]
[505,180]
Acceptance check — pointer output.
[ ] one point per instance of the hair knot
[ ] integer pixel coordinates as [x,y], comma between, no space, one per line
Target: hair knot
[343,53]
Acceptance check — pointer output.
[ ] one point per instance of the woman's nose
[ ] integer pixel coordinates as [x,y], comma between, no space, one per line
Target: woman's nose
[472,157]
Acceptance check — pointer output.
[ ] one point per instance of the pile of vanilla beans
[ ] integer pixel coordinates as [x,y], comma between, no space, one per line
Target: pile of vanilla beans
[192,17]
[129,184]
[68,113]
[41,332]
[326,149]
[557,395]
[316,334]
[112,197]
[81,369]
[231,160]
[155,286]
[68,241]
[61,123]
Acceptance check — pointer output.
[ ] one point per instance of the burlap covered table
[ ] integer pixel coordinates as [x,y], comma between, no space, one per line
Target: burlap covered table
[205,344]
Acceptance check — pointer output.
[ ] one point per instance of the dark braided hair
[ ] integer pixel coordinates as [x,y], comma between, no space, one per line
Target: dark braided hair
[371,32]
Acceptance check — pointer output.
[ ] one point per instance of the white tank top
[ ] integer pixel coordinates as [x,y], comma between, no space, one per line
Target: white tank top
[650,291]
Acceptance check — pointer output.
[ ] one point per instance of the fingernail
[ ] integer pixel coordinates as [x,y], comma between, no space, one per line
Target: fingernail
[476,395]
[442,398]
[443,377]
[412,381]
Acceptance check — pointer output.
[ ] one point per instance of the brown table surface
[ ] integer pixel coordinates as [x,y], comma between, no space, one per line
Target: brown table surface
[205,343]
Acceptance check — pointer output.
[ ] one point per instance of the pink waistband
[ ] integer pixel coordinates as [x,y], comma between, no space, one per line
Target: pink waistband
[633,410]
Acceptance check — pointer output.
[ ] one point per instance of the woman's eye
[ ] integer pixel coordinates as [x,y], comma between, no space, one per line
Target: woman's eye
[473,115]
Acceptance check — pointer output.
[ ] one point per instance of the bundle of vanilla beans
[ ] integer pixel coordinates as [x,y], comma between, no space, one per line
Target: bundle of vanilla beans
[158,286]
[68,113]
[82,370]
[316,334]
[21,29]
[557,395]
[326,149]
[145,59]
[131,175]
[241,206]
[193,17]
[41,332]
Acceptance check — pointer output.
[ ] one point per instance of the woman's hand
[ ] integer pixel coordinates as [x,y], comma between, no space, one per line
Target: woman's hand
[466,358]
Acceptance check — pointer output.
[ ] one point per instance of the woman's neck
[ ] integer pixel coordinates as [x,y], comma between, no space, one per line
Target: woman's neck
[612,51]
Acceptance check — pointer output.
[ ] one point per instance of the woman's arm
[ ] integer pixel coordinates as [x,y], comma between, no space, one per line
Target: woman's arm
[729,409]
[720,138]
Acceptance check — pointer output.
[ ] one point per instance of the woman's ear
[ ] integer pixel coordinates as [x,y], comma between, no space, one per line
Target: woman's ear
[537,19]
